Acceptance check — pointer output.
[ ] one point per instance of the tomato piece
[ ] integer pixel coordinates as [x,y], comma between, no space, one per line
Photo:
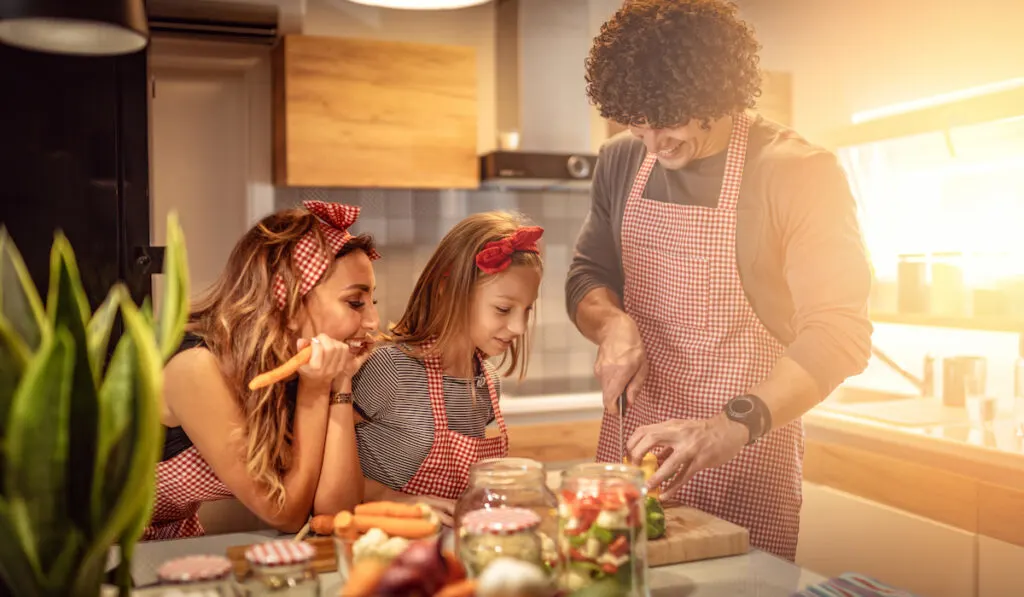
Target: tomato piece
[577,555]
[609,568]
[619,547]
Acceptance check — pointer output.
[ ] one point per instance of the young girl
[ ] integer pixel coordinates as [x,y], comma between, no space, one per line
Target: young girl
[297,278]
[426,399]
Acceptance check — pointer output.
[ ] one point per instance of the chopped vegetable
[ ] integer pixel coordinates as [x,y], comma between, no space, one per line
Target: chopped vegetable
[655,518]
[598,536]
[507,577]
[322,524]
[377,544]
[389,509]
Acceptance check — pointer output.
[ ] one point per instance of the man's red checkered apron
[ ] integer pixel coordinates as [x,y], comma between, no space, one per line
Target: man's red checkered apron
[445,471]
[705,345]
[183,483]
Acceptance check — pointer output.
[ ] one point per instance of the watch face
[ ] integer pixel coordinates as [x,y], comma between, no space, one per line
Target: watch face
[742,405]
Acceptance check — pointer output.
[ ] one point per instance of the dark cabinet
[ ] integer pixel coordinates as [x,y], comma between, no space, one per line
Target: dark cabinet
[74,155]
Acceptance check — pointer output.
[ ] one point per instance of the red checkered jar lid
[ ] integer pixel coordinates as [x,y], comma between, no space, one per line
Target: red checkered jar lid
[500,521]
[194,569]
[284,552]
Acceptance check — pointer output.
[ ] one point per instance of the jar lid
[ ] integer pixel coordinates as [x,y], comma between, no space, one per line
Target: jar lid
[194,569]
[500,521]
[284,552]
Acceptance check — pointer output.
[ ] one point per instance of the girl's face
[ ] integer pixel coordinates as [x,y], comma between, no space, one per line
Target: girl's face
[342,304]
[500,308]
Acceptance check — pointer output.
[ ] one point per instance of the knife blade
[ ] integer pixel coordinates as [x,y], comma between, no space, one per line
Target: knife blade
[622,427]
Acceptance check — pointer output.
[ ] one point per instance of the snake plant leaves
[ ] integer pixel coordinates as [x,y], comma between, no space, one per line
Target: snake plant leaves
[175,305]
[17,574]
[67,306]
[19,302]
[37,451]
[21,317]
[99,328]
[133,498]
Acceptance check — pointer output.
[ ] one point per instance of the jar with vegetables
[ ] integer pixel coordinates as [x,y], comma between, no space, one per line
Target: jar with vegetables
[512,483]
[602,536]
[282,568]
[379,530]
[492,533]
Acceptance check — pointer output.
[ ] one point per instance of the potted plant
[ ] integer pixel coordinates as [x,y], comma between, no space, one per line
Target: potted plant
[80,432]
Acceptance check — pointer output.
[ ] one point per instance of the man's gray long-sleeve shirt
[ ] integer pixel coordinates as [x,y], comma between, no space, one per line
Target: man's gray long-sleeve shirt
[799,247]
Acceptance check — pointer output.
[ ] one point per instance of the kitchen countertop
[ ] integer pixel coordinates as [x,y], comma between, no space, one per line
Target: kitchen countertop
[756,574]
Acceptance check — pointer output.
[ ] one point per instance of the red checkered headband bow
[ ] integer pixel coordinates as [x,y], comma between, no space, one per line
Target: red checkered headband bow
[497,256]
[311,260]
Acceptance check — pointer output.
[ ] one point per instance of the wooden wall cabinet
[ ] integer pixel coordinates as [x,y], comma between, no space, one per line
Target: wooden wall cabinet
[369,113]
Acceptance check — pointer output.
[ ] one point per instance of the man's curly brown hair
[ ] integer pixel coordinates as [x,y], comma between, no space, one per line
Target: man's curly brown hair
[663,63]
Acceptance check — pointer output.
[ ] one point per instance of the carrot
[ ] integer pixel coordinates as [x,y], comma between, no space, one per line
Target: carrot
[363,579]
[286,370]
[407,528]
[322,524]
[342,520]
[389,509]
[464,588]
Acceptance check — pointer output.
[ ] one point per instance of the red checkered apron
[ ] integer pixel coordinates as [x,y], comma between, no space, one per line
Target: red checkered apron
[445,471]
[705,345]
[183,483]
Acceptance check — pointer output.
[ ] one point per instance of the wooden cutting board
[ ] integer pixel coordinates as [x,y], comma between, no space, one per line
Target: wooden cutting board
[324,561]
[692,535]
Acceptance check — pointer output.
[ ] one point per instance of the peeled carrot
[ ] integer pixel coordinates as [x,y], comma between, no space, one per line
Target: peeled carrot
[389,509]
[363,579]
[322,524]
[464,588]
[286,370]
[407,528]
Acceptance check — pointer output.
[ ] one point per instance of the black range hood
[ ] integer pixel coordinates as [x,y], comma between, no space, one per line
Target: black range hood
[525,170]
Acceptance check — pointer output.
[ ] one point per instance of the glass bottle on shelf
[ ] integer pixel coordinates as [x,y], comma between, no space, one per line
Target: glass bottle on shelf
[602,536]
[912,282]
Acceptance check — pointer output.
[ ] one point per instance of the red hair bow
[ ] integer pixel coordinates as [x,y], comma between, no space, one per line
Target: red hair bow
[334,220]
[497,256]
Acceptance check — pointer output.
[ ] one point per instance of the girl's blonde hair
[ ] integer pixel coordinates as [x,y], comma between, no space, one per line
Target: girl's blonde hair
[440,304]
[240,322]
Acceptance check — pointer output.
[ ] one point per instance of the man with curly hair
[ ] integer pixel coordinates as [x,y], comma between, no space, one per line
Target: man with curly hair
[721,269]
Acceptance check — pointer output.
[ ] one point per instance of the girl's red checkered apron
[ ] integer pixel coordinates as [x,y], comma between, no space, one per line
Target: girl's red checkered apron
[705,345]
[445,471]
[183,483]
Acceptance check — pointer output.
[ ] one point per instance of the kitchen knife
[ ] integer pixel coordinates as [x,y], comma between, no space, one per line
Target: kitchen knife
[622,426]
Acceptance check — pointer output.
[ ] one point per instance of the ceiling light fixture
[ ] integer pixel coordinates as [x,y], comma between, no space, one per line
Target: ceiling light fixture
[79,27]
[421,4]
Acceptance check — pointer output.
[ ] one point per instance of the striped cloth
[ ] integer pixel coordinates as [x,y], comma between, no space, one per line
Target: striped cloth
[852,584]
[390,392]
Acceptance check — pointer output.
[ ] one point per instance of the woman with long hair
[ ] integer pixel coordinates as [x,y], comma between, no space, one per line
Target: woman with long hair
[298,278]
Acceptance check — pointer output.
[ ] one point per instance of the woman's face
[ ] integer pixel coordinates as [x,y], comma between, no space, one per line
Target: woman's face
[342,305]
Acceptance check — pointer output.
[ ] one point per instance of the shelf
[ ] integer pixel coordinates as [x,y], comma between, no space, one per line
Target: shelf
[991,324]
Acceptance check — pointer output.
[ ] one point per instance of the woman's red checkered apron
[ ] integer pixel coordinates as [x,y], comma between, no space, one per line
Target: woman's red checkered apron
[705,345]
[445,471]
[183,483]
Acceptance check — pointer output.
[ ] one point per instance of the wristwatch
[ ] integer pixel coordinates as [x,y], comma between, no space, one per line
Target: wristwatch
[752,412]
[341,398]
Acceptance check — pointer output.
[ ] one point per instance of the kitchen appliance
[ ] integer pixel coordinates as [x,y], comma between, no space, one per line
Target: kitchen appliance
[548,130]
[963,377]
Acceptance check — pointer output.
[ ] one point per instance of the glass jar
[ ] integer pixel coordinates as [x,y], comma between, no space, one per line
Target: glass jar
[913,288]
[282,568]
[512,483]
[492,533]
[195,576]
[602,535]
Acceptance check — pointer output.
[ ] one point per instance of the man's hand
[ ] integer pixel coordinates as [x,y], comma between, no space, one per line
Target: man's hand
[689,446]
[621,361]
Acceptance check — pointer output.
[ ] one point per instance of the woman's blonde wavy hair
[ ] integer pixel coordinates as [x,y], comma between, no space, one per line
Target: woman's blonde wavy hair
[440,303]
[240,322]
